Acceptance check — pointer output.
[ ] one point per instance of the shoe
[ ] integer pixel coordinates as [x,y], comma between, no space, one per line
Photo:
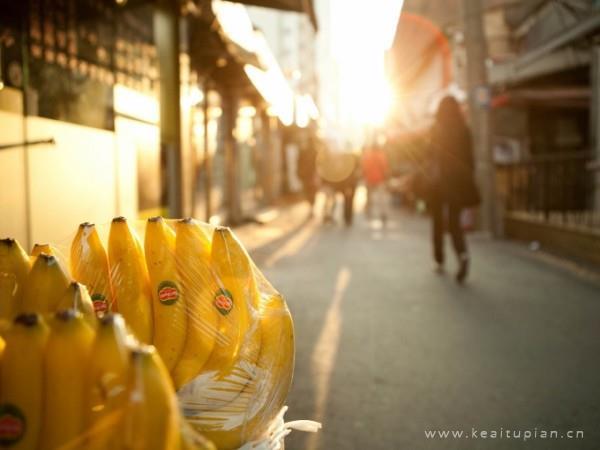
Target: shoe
[463,269]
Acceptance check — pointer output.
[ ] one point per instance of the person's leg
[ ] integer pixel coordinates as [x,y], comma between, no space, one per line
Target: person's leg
[328,204]
[385,203]
[458,242]
[348,205]
[456,231]
[437,231]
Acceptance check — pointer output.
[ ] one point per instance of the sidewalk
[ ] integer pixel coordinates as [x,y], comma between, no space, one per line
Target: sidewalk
[387,350]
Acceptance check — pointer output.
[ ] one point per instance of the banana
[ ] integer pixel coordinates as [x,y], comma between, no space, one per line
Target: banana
[190,440]
[76,297]
[249,415]
[130,279]
[107,385]
[45,286]
[89,265]
[14,268]
[192,254]
[22,381]
[66,362]
[152,421]
[236,298]
[168,303]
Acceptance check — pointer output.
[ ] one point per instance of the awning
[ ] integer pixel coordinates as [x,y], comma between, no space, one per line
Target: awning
[302,6]
[564,97]
[549,57]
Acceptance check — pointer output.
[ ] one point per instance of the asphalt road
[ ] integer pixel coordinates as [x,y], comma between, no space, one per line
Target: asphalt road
[387,350]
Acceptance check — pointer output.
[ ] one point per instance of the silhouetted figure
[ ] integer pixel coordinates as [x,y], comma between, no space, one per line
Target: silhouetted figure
[452,181]
[307,172]
[339,173]
[375,171]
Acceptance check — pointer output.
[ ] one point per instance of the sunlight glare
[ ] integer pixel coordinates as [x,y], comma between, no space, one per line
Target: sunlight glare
[361,37]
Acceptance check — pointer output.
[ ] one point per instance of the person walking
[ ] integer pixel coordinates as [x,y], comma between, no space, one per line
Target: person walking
[375,171]
[452,181]
[307,172]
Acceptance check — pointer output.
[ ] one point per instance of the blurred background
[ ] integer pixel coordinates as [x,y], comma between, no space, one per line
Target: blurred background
[237,112]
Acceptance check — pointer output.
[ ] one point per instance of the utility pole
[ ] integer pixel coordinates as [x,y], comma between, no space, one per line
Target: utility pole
[166,35]
[479,104]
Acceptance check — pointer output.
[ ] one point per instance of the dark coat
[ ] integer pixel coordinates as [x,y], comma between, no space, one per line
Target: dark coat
[453,166]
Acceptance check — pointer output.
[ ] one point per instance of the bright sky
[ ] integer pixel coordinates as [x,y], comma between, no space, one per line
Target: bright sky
[360,34]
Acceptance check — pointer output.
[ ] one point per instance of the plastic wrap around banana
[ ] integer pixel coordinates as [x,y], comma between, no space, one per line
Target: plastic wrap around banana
[65,385]
[222,338]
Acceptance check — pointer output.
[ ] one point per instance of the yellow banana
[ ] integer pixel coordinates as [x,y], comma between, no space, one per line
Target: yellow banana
[45,285]
[235,299]
[89,265]
[107,385]
[197,282]
[152,421]
[76,297]
[248,416]
[66,363]
[130,279]
[168,303]
[22,380]
[191,440]
[14,268]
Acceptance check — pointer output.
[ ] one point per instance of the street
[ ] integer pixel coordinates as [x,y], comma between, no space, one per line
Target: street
[388,350]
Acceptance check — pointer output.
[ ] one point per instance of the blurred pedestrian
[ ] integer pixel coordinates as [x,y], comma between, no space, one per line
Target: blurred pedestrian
[452,182]
[307,172]
[339,173]
[375,171]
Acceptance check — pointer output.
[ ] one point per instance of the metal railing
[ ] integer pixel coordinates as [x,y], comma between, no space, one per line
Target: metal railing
[553,188]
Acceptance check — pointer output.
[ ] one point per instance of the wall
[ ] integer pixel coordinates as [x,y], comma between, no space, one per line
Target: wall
[85,176]
[13,214]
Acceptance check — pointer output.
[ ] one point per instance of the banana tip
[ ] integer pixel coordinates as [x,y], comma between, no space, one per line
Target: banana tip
[9,242]
[27,319]
[66,315]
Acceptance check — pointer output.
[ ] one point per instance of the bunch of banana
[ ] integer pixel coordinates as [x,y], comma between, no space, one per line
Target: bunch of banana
[130,279]
[263,395]
[254,364]
[198,285]
[89,265]
[229,350]
[37,284]
[67,386]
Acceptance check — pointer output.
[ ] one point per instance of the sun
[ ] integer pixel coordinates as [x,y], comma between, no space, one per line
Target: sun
[377,103]
[365,95]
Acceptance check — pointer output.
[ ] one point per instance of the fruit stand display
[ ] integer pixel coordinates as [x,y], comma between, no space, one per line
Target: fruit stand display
[174,340]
